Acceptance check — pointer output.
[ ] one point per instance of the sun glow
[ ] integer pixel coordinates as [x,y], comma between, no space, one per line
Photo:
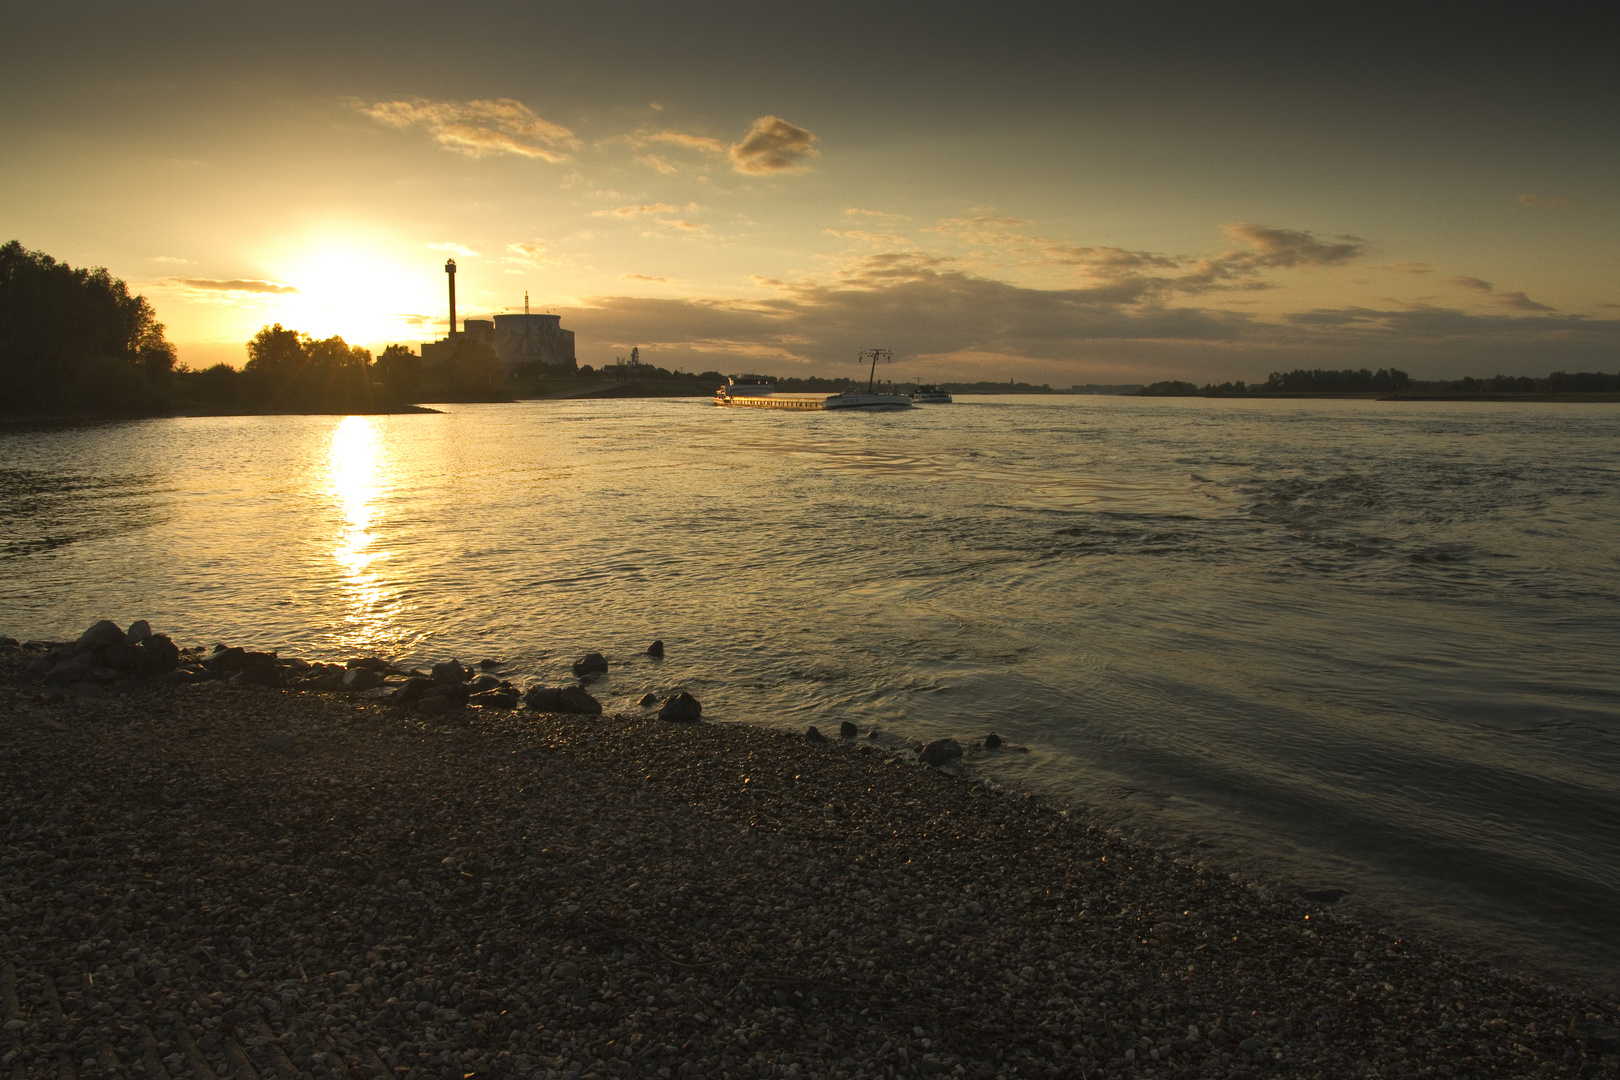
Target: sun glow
[358,294]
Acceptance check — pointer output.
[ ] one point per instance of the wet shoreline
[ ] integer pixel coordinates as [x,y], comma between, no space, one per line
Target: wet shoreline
[215,877]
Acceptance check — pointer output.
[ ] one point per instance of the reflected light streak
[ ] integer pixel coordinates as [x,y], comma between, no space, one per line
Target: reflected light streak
[354,465]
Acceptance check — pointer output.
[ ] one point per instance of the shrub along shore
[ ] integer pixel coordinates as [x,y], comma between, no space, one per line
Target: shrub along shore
[210,871]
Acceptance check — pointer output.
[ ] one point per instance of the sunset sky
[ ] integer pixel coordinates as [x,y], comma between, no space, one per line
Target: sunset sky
[991,191]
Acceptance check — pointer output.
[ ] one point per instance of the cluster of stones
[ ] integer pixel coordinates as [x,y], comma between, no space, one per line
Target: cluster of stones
[104,653]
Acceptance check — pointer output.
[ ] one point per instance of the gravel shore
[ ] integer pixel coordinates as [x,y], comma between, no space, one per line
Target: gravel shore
[216,879]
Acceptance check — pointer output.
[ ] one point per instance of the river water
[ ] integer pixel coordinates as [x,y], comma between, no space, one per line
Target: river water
[1345,644]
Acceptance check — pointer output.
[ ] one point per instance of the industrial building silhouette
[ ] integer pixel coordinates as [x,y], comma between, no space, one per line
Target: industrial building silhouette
[518,340]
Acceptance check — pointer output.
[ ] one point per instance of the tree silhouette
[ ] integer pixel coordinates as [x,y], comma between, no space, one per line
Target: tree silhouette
[400,372]
[289,368]
[73,339]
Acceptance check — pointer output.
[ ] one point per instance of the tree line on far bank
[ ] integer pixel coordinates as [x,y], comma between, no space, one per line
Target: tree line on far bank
[1389,381]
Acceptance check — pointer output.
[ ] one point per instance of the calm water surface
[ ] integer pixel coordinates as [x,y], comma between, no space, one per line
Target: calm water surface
[1354,645]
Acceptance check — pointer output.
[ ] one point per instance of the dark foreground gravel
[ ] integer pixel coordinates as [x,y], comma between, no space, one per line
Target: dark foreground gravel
[218,880]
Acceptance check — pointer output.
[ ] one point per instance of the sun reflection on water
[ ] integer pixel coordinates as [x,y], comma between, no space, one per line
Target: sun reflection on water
[356,466]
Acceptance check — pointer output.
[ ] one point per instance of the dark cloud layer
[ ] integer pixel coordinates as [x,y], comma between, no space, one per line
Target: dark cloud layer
[920,306]
[1517,301]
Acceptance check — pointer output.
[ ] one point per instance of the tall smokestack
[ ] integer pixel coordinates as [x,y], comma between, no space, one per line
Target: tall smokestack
[450,271]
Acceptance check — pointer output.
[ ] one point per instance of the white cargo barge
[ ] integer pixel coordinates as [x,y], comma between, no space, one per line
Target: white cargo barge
[757,392]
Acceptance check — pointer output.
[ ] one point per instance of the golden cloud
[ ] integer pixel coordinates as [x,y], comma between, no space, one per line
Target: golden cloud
[476,128]
[771,146]
[637,211]
[231,285]
[691,142]
[530,253]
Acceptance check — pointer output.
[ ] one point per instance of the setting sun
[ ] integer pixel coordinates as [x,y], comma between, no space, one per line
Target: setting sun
[356,292]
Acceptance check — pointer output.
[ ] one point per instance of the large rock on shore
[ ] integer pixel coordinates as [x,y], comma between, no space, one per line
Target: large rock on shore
[411,691]
[229,659]
[260,669]
[361,678]
[456,693]
[500,697]
[590,663]
[940,752]
[562,699]
[100,635]
[681,706]
[154,654]
[450,671]
[77,668]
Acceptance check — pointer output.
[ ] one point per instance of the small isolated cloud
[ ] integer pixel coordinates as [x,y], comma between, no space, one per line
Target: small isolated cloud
[170,259]
[451,248]
[856,211]
[637,211]
[233,285]
[1408,267]
[1516,301]
[773,146]
[476,128]
[528,253]
[1538,202]
[641,277]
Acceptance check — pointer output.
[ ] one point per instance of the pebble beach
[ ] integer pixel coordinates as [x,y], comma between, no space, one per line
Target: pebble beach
[213,878]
